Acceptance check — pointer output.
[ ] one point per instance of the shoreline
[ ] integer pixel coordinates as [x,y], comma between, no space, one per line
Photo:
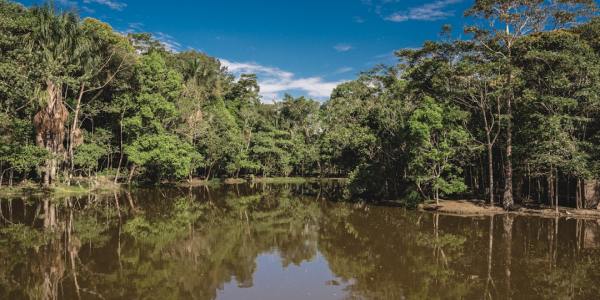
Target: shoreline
[474,208]
[267,180]
[103,185]
[461,208]
[30,189]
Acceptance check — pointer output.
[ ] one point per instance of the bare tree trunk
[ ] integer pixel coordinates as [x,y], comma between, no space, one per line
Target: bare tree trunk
[75,126]
[551,188]
[508,199]
[131,174]
[120,149]
[130,200]
[578,194]
[556,194]
[10,178]
[490,171]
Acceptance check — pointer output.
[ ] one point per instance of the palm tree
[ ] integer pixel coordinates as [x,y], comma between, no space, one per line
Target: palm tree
[59,46]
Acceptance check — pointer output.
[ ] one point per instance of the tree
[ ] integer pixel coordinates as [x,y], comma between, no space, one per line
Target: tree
[148,119]
[163,156]
[220,140]
[88,155]
[438,142]
[58,45]
[478,93]
[560,71]
[273,149]
[108,56]
[509,21]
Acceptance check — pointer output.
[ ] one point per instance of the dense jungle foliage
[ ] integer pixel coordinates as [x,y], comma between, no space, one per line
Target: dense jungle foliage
[510,112]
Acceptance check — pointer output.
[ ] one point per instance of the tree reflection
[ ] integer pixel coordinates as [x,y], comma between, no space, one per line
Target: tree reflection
[190,244]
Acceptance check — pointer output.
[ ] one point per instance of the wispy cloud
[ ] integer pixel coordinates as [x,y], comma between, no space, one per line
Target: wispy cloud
[342,47]
[358,20]
[112,4]
[168,41]
[433,11]
[73,4]
[135,27]
[343,70]
[274,82]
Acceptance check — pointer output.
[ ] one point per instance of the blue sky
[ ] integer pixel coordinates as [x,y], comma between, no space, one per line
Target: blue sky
[304,47]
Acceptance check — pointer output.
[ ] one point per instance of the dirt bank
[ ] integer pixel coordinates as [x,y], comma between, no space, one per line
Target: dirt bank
[479,208]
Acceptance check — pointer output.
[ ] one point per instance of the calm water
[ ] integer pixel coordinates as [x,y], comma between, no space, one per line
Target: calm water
[283,242]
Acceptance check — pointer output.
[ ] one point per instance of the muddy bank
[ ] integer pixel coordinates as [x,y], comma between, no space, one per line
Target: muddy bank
[479,208]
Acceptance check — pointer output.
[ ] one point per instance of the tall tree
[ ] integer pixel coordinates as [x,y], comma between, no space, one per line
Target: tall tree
[438,142]
[58,45]
[508,22]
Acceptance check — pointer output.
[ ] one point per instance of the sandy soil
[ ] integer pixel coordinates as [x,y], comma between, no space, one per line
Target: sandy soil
[479,208]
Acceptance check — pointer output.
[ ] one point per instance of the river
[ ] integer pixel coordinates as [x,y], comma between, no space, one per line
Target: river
[283,241]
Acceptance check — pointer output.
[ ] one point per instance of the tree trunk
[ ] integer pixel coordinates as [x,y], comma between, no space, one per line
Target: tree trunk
[131,174]
[49,123]
[507,199]
[10,178]
[120,149]
[556,194]
[75,126]
[491,172]
[579,194]
[551,189]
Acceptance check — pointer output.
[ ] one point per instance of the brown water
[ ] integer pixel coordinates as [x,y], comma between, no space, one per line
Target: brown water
[283,242]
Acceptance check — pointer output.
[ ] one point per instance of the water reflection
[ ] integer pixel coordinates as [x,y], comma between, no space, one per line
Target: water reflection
[283,241]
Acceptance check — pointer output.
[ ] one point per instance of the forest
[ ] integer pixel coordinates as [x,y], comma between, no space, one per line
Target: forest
[507,110]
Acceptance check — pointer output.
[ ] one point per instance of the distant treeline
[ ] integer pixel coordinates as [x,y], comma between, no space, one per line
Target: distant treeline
[509,113]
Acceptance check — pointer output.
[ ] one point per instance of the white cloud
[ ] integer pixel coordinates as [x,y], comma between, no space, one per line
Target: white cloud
[274,82]
[433,11]
[342,47]
[343,70]
[168,41]
[112,4]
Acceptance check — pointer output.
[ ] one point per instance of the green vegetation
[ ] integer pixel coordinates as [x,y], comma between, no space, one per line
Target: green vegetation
[510,113]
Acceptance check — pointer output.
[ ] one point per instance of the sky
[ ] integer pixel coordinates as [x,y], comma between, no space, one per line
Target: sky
[301,47]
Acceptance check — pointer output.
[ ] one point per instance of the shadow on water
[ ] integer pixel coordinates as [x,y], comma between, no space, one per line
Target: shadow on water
[269,241]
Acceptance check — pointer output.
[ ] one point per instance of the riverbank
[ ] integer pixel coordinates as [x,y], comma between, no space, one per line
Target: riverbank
[470,208]
[264,180]
[81,187]
[103,184]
